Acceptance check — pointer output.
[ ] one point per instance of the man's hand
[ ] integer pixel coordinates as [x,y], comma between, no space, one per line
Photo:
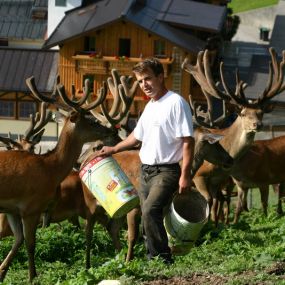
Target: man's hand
[185,183]
[105,151]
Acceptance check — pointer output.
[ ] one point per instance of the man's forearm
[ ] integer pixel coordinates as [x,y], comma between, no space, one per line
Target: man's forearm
[127,143]
[188,155]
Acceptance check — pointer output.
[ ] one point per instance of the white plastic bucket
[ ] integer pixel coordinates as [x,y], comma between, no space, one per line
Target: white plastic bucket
[186,217]
[110,186]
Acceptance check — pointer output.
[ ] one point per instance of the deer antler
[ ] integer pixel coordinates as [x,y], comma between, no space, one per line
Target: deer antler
[202,73]
[123,94]
[10,143]
[275,83]
[207,115]
[34,130]
[120,88]
[59,89]
[51,99]
[41,119]
[77,105]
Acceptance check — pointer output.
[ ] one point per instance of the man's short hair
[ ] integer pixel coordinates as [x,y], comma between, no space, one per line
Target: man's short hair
[153,63]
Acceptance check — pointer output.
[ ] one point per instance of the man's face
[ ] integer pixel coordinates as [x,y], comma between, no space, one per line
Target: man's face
[150,84]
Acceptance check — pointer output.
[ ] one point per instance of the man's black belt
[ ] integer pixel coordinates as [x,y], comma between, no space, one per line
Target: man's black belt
[147,167]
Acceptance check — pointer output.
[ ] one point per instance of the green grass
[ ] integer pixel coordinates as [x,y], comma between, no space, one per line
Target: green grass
[246,5]
[242,253]
[254,200]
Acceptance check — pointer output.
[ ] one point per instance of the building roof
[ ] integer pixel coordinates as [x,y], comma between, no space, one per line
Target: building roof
[191,14]
[23,19]
[256,76]
[19,64]
[162,18]
[278,36]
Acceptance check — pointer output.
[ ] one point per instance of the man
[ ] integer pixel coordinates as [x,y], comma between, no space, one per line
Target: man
[165,132]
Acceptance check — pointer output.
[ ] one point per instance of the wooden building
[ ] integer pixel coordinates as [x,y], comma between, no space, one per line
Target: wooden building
[101,35]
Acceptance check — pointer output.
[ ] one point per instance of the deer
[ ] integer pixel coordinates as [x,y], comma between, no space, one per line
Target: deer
[27,142]
[29,182]
[239,136]
[74,198]
[266,158]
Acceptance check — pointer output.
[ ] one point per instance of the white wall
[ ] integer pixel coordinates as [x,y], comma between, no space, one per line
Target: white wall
[29,44]
[18,127]
[55,14]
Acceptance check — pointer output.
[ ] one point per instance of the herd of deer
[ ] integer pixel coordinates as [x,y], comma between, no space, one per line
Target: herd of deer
[45,186]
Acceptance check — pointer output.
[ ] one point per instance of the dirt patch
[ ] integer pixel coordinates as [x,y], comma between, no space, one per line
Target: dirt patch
[277,269]
[195,279]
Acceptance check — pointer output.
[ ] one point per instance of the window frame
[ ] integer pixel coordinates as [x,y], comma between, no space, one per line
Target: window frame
[159,48]
[88,45]
[13,116]
[4,42]
[122,51]
[33,111]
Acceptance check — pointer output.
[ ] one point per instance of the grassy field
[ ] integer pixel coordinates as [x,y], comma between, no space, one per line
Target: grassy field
[254,198]
[245,5]
[236,254]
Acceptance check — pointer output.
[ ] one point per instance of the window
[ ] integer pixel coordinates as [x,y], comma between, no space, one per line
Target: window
[91,78]
[7,109]
[60,3]
[89,43]
[26,108]
[159,48]
[124,47]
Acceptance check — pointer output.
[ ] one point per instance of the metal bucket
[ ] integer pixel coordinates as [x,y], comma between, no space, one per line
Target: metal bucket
[110,186]
[186,217]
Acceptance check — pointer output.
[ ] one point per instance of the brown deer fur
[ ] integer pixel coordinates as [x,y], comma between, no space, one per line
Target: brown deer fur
[29,182]
[262,165]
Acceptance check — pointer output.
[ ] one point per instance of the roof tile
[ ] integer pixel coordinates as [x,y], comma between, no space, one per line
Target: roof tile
[18,64]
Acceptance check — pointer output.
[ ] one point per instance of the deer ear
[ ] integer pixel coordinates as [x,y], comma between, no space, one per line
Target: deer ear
[74,117]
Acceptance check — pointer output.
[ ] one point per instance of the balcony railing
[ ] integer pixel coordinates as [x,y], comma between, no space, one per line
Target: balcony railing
[103,65]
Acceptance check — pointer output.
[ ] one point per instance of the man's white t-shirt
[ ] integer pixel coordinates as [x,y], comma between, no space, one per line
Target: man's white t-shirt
[161,127]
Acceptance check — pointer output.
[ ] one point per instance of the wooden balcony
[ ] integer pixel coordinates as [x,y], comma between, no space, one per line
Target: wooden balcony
[103,65]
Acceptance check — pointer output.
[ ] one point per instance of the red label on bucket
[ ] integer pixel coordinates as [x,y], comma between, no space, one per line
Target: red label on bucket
[89,165]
